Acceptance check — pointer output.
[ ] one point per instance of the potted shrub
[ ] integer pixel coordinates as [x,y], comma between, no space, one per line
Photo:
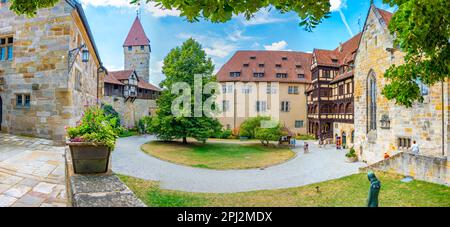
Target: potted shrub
[351,155]
[91,142]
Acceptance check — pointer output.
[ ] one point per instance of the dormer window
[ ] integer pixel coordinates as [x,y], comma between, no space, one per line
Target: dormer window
[284,58]
[301,76]
[281,75]
[298,66]
[258,75]
[261,65]
[335,61]
[235,74]
[253,57]
[246,65]
[130,48]
[278,65]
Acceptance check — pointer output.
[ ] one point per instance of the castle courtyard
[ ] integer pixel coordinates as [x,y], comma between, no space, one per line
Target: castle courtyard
[32,173]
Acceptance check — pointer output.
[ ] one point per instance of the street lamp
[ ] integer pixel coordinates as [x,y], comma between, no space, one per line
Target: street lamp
[73,54]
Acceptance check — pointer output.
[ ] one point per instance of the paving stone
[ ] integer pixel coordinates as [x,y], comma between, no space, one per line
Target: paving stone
[44,188]
[12,180]
[4,187]
[53,205]
[31,200]
[17,191]
[29,182]
[6,201]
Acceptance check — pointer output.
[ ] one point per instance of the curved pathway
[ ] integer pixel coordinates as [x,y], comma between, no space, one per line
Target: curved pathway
[320,165]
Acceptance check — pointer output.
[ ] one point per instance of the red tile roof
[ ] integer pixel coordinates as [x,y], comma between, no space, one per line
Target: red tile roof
[112,80]
[121,75]
[116,76]
[137,36]
[344,54]
[387,16]
[343,76]
[269,59]
[148,86]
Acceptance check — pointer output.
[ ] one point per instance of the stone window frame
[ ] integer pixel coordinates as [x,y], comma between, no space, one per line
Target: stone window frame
[404,143]
[6,47]
[23,97]
[371,102]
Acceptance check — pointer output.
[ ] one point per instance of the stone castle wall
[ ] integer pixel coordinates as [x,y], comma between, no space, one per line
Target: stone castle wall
[39,68]
[426,168]
[139,60]
[422,122]
[131,112]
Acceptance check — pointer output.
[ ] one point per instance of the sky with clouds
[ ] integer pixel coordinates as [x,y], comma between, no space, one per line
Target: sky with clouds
[110,21]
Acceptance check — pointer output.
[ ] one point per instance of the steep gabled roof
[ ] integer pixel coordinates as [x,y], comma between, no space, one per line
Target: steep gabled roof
[148,86]
[342,55]
[137,36]
[110,79]
[122,74]
[292,63]
[387,16]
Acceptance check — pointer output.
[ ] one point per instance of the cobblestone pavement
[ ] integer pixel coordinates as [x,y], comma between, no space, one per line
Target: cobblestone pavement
[32,172]
[319,165]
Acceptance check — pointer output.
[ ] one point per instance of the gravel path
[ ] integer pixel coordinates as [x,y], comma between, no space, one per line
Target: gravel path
[320,165]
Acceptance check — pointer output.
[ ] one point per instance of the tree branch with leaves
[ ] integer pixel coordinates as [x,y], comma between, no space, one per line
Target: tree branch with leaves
[422,30]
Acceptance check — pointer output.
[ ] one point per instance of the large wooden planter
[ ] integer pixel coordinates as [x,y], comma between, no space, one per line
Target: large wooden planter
[89,158]
[351,159]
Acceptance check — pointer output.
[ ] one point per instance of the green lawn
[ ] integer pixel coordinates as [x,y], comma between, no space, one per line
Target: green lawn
[219,155]
[349,191]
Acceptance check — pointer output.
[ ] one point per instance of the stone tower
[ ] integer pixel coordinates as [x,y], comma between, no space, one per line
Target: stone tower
[137,51]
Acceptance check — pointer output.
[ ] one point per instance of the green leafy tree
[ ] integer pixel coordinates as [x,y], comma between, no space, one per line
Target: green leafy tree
[422,30]
[311,12]
[265,135]
[181,65]
[29,8]
[248,127]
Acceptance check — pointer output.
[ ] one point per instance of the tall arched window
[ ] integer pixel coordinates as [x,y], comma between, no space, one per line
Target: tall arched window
[372,101]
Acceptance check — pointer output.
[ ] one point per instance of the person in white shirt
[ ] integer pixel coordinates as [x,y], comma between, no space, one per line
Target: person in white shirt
[415,148]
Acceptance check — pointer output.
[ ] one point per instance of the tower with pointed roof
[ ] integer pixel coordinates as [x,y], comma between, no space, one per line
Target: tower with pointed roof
[137,51]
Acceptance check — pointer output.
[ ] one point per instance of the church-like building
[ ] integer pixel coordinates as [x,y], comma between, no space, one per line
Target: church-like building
[380,124]
[129,90]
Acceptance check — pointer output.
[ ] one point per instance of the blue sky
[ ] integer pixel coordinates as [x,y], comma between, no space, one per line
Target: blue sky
[110,21]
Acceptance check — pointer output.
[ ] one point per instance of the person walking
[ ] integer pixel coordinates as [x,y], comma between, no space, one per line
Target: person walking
[306,147]
[415,148]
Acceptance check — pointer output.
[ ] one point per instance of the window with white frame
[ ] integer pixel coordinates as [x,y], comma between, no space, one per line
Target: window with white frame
[225,105]
[261,106]
[299,124]
[285,106]
[293,90]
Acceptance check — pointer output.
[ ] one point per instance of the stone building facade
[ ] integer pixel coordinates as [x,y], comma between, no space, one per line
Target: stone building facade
[381,125]
[128,91]
[137,50]
[43,88]
[265,83]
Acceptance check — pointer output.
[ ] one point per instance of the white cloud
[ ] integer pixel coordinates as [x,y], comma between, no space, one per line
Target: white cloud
[261,17]
[276,46]
[150,7]
[337,5]
[156,72]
